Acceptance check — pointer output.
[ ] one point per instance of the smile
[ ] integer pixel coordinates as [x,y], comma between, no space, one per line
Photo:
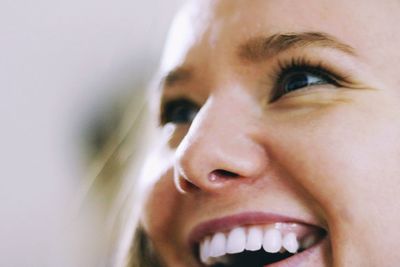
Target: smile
[277,240]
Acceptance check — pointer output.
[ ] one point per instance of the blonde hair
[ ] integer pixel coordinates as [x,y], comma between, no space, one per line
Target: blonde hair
[142,253]
[112,176]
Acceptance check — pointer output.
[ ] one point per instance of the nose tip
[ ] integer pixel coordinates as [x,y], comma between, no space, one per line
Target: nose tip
[216,171]
[210,160]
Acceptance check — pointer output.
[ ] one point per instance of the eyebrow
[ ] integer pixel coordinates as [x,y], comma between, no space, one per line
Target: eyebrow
[178,75]
[260,48]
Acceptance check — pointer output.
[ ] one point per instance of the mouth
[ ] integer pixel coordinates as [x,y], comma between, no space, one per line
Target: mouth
[255,240]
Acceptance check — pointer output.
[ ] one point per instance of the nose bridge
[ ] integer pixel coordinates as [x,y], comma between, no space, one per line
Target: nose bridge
[219,148]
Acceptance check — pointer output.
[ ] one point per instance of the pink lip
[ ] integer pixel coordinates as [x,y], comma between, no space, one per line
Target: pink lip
[229,222]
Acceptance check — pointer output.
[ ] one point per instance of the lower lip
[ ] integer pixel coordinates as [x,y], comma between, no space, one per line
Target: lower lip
[312,256]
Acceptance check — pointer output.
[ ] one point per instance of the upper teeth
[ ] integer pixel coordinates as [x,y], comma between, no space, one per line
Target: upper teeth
[271,238]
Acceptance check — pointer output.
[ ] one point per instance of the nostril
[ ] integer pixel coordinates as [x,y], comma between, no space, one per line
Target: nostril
[219,175]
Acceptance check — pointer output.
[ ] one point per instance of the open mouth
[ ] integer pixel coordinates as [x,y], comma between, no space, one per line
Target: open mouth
[257,245]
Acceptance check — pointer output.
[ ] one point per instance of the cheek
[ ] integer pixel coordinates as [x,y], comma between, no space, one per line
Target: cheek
[346,157]
[359,160]
[161,209]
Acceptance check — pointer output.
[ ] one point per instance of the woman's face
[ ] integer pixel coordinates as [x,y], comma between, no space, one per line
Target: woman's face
[283,119]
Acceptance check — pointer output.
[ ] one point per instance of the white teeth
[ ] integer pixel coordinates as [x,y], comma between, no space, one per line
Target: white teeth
[272,242]
[205,249]
[215,248]
[254,238]
[217,245]
[236,241]
[290,242]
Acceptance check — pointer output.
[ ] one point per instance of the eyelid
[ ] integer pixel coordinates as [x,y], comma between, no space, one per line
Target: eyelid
[303,64]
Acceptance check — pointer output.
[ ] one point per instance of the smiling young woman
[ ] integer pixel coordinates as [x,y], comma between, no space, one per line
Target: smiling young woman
[282,121]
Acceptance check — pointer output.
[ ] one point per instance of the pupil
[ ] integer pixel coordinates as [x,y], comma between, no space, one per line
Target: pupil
[183,114]
[296,81]
[180,111]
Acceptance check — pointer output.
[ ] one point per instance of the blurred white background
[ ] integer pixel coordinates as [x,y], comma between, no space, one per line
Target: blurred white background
[61,65]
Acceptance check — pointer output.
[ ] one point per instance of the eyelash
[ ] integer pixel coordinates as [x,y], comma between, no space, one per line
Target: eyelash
[302,65]
[170,110]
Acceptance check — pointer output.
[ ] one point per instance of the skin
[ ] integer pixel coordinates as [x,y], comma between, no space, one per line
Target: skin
[328,155]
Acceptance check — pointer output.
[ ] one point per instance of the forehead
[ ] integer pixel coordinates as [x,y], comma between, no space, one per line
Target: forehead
[211,29]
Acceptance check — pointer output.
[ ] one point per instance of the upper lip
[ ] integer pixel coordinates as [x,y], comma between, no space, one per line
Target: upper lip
[228,222]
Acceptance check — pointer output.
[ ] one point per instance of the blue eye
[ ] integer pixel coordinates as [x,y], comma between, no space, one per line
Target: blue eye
[179,111]
[301,74]
[301,79]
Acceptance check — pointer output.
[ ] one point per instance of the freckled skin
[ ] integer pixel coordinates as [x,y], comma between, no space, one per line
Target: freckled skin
[330,155]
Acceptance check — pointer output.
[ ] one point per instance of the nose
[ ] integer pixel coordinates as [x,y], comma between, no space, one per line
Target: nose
[220,150]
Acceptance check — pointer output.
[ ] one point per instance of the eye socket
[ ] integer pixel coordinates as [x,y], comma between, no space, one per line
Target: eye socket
[300,74]
[179,111]
[295,80]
